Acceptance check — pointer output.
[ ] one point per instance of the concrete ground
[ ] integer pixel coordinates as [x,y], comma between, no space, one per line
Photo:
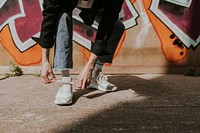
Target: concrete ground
[144,103]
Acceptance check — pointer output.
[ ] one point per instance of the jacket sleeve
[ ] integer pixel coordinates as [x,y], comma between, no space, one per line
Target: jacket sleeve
[52,11]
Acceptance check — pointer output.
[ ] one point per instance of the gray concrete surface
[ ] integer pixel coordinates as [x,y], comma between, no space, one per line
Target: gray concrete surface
[144,103]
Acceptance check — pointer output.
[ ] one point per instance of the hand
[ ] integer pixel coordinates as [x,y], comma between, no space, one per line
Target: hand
[47,73]
[85,76]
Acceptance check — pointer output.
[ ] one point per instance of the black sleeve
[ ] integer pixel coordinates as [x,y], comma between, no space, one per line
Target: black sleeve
[52,11]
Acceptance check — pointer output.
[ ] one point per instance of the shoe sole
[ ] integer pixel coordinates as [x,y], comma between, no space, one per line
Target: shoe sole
[63,103]
[98,87]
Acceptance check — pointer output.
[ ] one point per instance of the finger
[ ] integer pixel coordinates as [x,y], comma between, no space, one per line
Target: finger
[88,83]
[45,80]
[79,83]
[51,77]
[83,84]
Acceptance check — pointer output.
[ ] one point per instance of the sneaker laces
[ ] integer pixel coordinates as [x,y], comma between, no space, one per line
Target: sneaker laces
[64,82]
[102,78]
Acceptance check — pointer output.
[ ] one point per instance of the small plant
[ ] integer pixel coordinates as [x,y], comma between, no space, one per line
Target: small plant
[37,74]
[191,72]
[14,70]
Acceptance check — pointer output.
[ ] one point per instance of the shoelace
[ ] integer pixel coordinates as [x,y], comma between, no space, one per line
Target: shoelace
[69,82]
[101,77]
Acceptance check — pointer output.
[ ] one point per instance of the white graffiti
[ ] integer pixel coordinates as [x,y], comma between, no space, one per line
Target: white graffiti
[22,46]
[183,36]
[146,25]
[2,2]
[185,3]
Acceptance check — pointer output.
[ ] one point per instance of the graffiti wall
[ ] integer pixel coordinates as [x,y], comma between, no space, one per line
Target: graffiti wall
[159,34]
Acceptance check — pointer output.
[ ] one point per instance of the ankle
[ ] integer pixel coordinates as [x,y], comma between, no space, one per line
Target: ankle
[96,73]
[65,73]
[66,79]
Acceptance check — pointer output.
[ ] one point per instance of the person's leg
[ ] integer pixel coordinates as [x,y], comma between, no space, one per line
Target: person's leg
[113,41]
[63,59]
[109,16]
[63,48]
[111,47]
[97,68]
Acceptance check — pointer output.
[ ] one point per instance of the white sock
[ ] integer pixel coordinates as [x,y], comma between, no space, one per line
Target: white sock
[97,68]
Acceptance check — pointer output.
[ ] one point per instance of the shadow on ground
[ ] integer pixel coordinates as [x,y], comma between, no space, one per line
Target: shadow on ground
[172,104]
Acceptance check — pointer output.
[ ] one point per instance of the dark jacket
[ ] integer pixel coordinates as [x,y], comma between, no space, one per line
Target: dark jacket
[53,10]
[110,14]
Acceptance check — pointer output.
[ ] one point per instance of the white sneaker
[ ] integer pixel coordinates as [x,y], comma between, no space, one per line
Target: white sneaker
[64,95]
[101,83]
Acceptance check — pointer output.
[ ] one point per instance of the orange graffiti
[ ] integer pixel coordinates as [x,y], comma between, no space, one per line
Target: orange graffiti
[29,57]
[133,1]
[172,52]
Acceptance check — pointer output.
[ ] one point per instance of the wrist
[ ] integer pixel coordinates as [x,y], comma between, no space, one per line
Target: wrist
[93,59]
[45,55]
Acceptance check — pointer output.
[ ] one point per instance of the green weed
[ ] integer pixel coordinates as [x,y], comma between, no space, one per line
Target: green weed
[14,70]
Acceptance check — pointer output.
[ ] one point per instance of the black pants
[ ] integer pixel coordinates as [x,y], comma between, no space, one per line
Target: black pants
[110,14]
[113,41]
